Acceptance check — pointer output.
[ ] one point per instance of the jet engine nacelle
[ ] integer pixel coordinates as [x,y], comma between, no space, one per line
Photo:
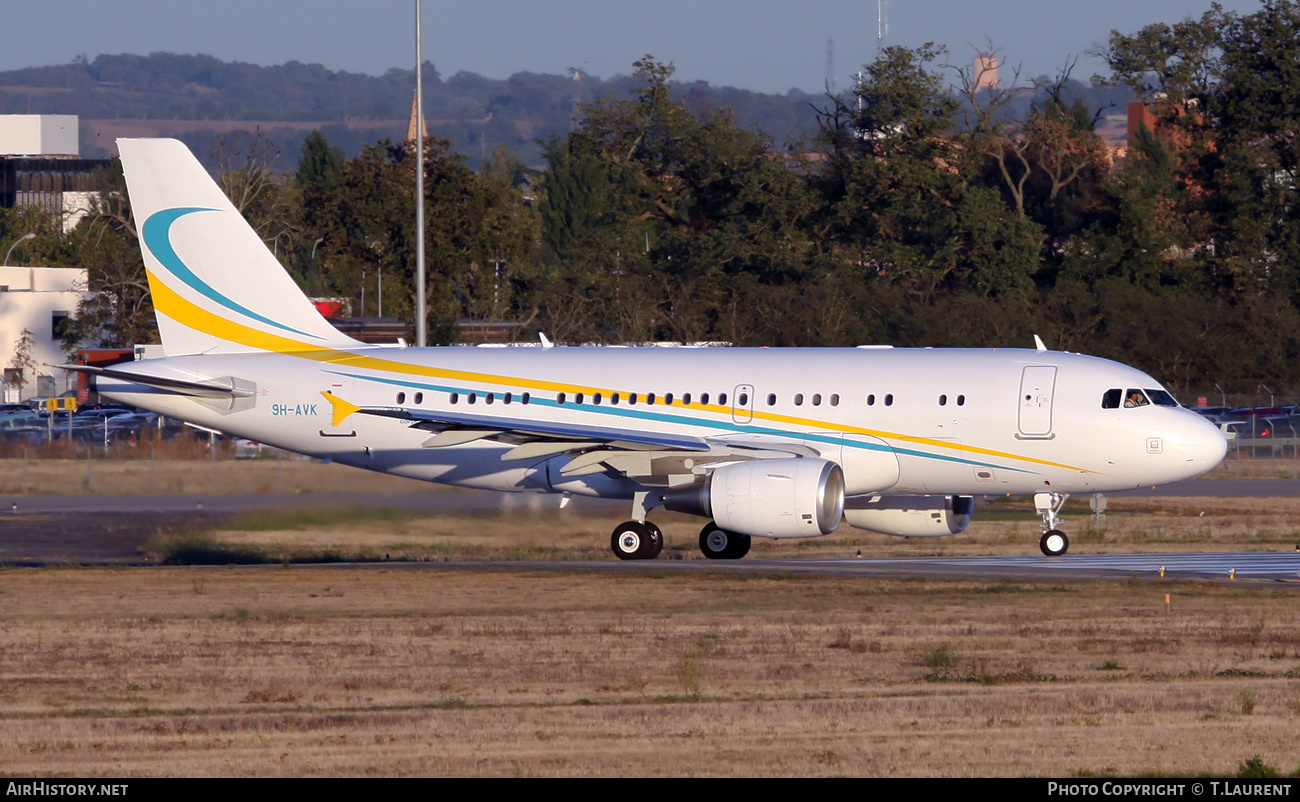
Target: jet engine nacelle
[796,497]
[910,516]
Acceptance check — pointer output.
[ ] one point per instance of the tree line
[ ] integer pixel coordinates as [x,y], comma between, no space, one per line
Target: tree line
[928,210]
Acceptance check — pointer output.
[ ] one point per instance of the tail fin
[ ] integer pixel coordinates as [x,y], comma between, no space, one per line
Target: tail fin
[216,288]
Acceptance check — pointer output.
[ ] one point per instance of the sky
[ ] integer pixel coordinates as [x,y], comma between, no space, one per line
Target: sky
[763,45]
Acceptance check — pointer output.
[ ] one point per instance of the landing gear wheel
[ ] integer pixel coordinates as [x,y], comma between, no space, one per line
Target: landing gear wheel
[634,540]
[1054,543]
[657,535]
[719,544]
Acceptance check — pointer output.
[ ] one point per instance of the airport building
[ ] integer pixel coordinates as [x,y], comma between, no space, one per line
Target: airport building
[40,165]
[34,302]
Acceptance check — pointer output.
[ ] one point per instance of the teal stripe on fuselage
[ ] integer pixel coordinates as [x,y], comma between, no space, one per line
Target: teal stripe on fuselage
[627,412]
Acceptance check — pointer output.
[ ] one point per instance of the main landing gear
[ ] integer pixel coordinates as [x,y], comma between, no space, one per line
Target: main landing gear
[642,540]
[1053,543]
[639,539]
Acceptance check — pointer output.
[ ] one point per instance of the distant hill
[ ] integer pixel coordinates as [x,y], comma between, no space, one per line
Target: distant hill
[199,98]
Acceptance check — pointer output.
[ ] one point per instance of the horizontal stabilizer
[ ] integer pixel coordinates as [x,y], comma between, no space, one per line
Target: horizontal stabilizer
[226,387]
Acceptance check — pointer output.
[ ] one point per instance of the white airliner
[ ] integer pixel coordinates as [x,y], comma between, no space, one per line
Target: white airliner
[777,443]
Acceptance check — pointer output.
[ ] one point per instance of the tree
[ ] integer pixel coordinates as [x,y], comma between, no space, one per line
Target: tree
[368,225]
[656,215]
[23,363]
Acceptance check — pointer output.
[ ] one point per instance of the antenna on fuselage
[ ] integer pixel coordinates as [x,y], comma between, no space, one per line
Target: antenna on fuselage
[1038,343]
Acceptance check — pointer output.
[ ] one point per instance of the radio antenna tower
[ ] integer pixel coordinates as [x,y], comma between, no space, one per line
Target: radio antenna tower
[832,83]
[882,24]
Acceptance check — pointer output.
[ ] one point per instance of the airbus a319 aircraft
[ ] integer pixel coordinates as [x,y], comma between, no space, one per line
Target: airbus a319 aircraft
[775,443]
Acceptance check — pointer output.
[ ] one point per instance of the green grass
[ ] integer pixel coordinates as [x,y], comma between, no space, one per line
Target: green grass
[275,520]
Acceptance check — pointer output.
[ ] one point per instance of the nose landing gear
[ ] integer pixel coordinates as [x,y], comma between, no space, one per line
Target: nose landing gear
[1053,543]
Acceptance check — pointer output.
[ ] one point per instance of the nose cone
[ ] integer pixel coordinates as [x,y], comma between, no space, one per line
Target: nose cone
[1198,445]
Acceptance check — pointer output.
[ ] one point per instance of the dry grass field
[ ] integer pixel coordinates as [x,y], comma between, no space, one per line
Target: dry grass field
[386,670]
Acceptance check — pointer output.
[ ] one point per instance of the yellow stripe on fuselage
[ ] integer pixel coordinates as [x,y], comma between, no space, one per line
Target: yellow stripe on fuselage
[187,313]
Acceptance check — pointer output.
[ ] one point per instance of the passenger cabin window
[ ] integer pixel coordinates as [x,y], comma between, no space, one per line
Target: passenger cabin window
[401,398]
[835,399]
[559,399]
[889,399]
[943,400]
[419,398]
[722,398]
[668,399]
[817,399]
[455,398]
[961,400]
[686,399]
[704,399]
[871,400]
[771,399]
[798,399]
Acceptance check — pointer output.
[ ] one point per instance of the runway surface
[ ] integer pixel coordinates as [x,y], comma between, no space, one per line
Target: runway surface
[1251,566]
[36,530]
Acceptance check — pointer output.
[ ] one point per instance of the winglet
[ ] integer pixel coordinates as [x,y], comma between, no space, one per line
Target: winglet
[1038,343]
[342,408]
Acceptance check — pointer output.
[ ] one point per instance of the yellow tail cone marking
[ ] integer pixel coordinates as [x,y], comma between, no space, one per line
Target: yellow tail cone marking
[342,408]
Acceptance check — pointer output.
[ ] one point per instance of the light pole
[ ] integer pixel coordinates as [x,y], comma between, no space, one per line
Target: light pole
[17,242]
[313,264]
[421,304]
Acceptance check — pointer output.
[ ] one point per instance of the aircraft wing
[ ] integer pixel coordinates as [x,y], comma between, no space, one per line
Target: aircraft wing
[455,428]
[650,458]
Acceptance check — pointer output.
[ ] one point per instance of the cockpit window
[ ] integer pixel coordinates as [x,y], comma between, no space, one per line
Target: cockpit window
[1161,398]
[1111,398]
[1135,398]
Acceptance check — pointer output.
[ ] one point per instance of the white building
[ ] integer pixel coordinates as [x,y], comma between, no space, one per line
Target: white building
[36,300]
[40,165]
[39,135]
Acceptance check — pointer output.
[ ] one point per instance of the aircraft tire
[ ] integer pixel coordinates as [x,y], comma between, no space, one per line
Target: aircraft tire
[718,544]
[633,540]
[1054,543]
[657,535]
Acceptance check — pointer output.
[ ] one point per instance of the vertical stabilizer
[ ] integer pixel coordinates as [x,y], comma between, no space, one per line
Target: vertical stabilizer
[216,287]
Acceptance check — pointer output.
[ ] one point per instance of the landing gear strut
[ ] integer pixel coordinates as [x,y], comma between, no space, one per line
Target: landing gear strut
[1053,543]
[719,544]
